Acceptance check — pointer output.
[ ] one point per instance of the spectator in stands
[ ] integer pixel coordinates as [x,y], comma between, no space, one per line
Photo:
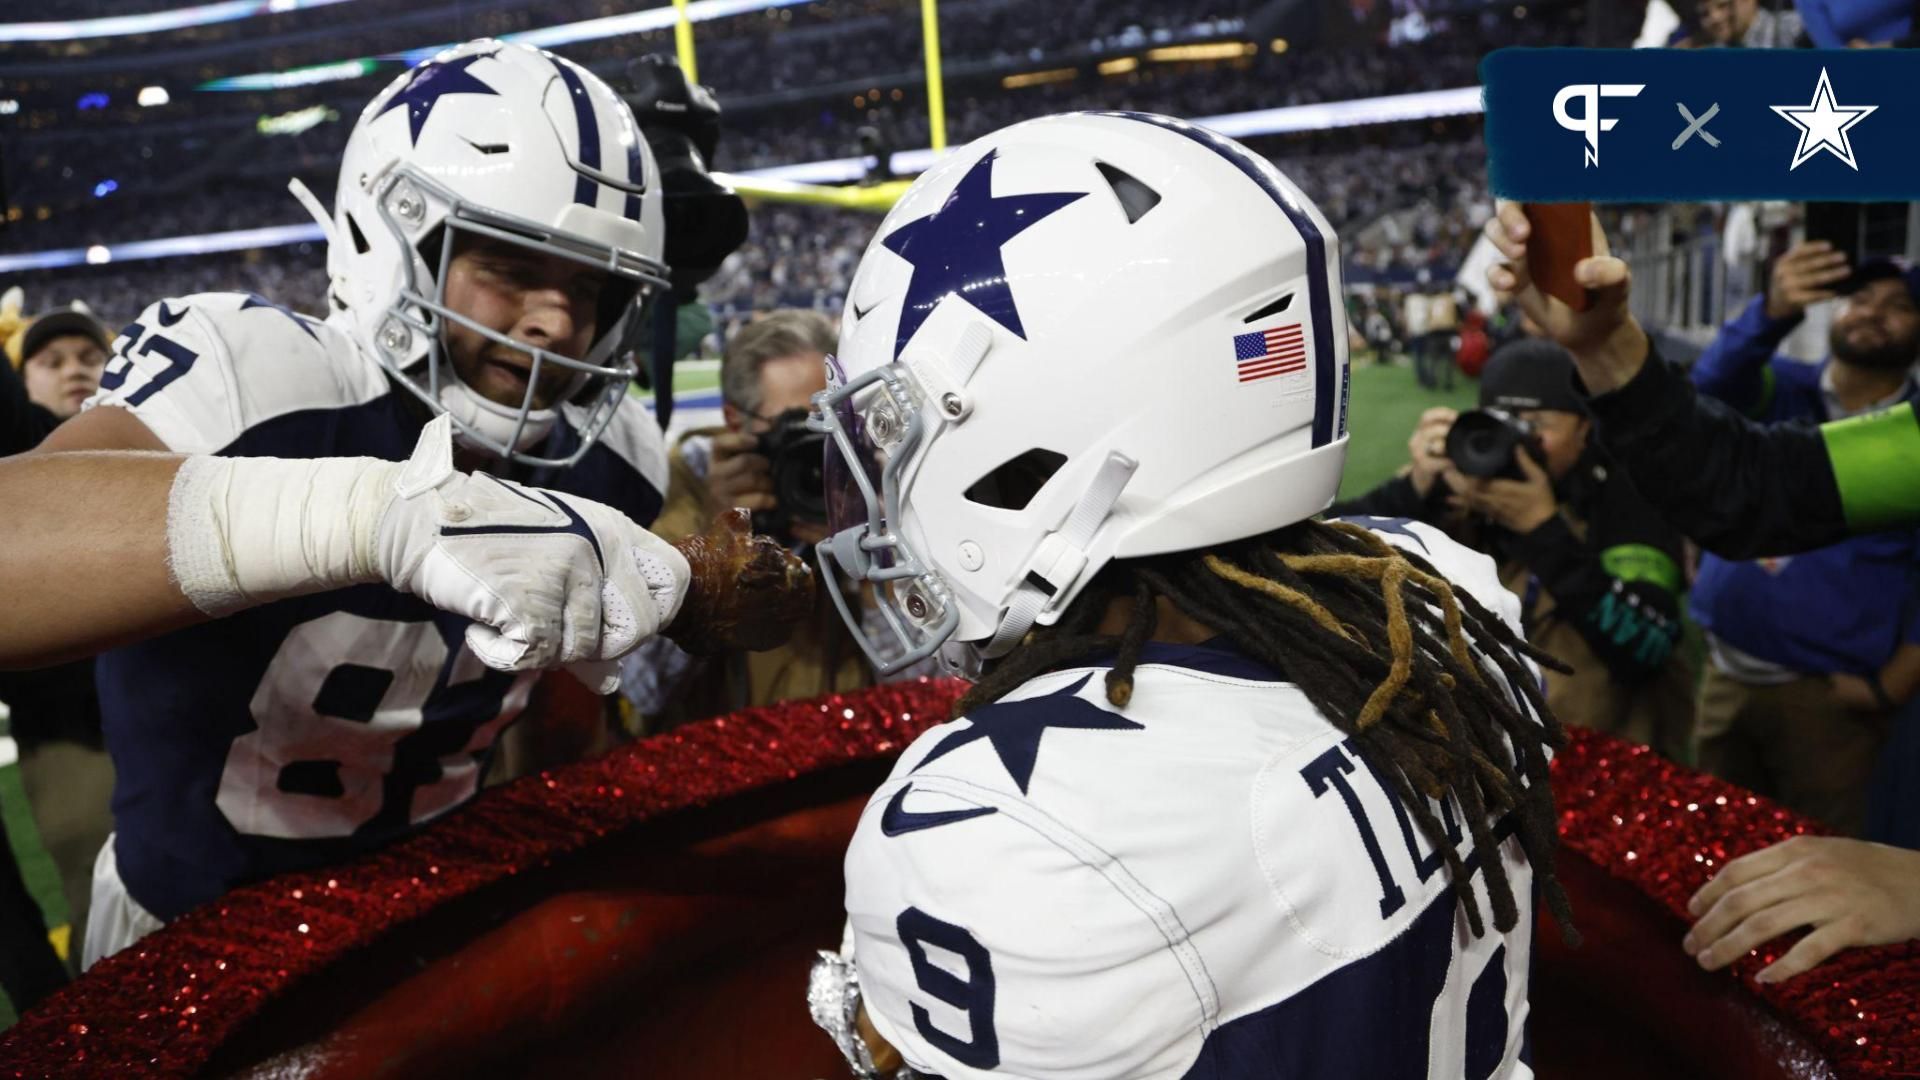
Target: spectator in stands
[60,360]
[54,713]
[771,369]
[1744,23]
[1598,571]
[1810,655]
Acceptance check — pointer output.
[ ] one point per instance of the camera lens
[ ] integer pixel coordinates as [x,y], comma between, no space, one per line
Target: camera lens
[1482,441]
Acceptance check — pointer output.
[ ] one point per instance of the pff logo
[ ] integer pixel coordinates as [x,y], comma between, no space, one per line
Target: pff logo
[1589,123]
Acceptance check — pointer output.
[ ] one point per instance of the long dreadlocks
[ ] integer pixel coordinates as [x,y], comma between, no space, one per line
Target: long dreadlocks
[1380,643]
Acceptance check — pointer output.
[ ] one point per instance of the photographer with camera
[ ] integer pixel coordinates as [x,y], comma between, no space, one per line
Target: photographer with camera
[766,461]
[1809,656]
[1522,479]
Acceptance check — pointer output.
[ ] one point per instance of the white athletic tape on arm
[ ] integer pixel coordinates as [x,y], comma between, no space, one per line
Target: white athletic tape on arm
[243,531]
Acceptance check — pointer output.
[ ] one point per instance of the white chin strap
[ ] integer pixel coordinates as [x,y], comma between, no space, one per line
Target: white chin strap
[474,414]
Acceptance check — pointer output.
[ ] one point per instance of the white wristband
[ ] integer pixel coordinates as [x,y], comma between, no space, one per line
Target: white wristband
[243,531]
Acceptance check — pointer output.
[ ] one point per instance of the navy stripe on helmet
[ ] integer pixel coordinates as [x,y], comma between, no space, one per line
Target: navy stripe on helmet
[636,175]
[584,191]
[1319,291]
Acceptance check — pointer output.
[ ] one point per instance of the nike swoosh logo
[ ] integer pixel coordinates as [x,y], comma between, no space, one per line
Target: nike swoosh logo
[860,313]
[575,525]
[897,820]
[168,318]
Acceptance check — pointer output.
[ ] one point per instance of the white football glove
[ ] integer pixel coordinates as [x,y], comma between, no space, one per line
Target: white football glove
[549,579]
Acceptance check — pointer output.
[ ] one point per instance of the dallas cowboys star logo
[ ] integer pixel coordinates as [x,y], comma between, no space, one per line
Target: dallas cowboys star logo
[1014,728]
[432,81]
[955,251]
[1823,125]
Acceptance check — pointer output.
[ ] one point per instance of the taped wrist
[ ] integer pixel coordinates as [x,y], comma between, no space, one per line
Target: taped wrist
[244,531]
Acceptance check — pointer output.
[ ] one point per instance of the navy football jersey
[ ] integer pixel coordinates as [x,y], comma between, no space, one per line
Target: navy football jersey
[318,727]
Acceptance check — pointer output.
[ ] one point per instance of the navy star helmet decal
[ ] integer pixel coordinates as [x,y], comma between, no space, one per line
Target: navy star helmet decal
[432,81]
[1014,728]
[956,249]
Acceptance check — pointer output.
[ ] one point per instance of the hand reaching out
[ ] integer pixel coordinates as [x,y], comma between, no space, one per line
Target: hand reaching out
[1850,892]
[1606,342]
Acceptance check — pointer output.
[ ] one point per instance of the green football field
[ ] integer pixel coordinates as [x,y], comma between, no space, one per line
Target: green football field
[1386,402]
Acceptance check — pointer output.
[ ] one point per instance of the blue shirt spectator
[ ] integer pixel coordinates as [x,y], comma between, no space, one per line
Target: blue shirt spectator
[1845,607]
[1807,654]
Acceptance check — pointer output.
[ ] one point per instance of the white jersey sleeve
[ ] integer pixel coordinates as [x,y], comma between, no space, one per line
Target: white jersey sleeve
[200,370]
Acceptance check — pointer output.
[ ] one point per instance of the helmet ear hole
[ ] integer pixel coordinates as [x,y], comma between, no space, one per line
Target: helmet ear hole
[1014,483]
[360,245]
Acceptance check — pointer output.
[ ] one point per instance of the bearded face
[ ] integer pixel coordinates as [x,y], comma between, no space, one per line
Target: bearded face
[1877,327]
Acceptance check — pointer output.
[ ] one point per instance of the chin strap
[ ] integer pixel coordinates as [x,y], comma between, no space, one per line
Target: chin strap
[312,203]
[1062,555]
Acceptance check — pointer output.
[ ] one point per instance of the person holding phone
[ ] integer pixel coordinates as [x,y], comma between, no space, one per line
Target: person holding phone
[1747,489]
[1809,656]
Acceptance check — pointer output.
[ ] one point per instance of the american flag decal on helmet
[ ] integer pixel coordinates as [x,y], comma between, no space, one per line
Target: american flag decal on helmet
[1263,355]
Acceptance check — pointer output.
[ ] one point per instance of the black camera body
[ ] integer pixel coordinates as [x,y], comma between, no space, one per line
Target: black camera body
[1482,443]
[795,459]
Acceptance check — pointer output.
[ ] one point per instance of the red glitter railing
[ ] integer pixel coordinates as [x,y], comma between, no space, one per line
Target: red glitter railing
[163,1007]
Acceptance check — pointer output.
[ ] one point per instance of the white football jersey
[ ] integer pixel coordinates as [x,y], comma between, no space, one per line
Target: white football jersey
[1209,883]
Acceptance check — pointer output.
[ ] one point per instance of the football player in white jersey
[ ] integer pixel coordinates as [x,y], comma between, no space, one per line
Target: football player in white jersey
[360,535]
[1237,793]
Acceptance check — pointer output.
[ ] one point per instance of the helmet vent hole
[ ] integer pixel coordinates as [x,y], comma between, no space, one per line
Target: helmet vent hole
[1135,197]
[1268,310]
[1014,484]
[360,244]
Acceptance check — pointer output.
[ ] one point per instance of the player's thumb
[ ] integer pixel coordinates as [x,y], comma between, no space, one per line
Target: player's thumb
[498,651]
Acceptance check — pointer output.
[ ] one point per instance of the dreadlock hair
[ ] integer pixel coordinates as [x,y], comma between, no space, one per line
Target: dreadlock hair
[1380,643]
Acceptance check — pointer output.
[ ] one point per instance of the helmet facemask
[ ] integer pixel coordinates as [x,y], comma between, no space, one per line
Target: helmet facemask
[874,430]
[599,379]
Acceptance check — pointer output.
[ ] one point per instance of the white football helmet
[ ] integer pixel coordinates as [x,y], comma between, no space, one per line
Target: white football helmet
[1139,317]
[516,144]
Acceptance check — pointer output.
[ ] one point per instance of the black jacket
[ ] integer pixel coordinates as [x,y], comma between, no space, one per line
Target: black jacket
[1619,586]
[1744,490]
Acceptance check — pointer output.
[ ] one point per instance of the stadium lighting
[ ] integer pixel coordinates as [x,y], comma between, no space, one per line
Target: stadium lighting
[1120,66]
[1039,78]
[98,255]
[152,22]
[9,106]
[94,100]
[1278,44]
[659,18]
[1210,50]
[297,121]
[1425,105]
[153,95]
[105,188]
[304,76]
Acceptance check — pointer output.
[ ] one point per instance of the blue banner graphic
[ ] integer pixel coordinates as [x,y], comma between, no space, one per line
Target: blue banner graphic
[1694,125]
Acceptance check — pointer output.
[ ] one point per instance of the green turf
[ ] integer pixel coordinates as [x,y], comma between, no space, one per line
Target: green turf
[36,866]
[1386,404]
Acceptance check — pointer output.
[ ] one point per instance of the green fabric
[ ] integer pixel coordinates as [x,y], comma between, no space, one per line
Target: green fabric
[692,323]
[1876,466]
[1768,384]
[1642,562]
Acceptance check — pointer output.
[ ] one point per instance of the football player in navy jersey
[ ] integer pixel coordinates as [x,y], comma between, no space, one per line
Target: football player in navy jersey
[1237,793]
[367,532]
